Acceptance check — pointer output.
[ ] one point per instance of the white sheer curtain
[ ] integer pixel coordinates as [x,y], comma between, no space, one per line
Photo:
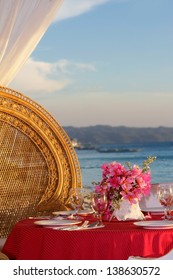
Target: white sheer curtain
[22,25]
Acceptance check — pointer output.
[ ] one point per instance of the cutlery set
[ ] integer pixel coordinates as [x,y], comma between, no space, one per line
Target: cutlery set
[84,226]
[64,220]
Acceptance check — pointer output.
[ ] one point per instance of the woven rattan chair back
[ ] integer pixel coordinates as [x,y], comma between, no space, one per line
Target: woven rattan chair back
[38,164]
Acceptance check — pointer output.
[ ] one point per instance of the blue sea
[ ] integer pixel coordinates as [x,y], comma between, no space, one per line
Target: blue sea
[161,169]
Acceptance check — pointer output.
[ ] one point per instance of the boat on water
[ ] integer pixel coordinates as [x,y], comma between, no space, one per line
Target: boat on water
[76,144]
[117,150]
[102,149]
[79,146]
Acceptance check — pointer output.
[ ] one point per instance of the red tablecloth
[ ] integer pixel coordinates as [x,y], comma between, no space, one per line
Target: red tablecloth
[116,241]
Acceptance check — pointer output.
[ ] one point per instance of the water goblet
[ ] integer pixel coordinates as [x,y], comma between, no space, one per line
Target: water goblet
[165,197]
[76,200]
[87,197]
[99,204]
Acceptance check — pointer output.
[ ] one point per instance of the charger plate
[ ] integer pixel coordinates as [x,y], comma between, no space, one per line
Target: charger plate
[155,224]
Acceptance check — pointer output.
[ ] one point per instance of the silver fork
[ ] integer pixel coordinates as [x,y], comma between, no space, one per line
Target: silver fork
[84,225]
[75,227]
[92,225]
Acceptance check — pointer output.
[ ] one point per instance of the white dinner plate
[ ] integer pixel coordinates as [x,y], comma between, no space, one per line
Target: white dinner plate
[85,212]
[56,222]
[63,213]
[155,224]
[154,210]
[67,213]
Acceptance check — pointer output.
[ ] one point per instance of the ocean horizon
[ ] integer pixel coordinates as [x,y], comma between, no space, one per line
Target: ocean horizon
[161,169]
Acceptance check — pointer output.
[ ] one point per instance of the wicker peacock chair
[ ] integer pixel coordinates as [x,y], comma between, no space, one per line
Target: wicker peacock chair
[38,164]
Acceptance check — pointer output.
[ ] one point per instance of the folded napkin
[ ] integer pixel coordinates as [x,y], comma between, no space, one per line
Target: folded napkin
[128,211]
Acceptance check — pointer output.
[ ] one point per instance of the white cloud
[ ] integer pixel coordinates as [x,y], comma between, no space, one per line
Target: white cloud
[68,67]
[72,8]
[46,77]
[38,76]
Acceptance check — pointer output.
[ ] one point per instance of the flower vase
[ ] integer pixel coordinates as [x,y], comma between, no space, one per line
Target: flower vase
[128,211]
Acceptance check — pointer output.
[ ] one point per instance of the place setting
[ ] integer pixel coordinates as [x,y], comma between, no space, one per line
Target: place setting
[79,218]
[155,224]
[164,194]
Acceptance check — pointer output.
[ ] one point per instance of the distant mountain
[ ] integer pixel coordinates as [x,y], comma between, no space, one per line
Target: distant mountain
[105,134]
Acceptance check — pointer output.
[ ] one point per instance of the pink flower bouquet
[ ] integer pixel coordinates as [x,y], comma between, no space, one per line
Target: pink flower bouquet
[124,182]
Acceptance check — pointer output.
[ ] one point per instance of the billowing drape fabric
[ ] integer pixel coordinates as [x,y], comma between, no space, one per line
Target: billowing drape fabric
[22,25]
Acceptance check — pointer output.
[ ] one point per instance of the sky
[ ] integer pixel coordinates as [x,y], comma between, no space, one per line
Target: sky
[105,62]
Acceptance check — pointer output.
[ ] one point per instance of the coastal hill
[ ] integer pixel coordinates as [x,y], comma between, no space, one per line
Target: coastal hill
[105,134]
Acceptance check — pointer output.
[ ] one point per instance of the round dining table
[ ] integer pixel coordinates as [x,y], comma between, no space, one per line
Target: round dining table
[117,240]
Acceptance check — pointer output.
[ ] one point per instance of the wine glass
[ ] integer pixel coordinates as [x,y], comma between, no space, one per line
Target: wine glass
[99,204]
[165,197]
[76,200]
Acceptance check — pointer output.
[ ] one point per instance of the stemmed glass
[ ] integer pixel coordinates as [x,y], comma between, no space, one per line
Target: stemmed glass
[76,200]
[86,196]
[165,197]
[99,204]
